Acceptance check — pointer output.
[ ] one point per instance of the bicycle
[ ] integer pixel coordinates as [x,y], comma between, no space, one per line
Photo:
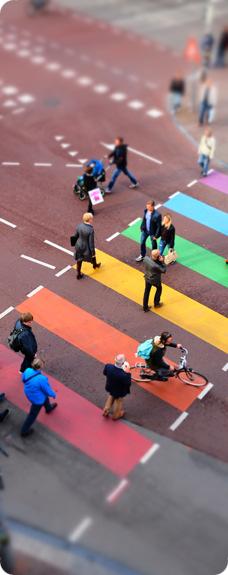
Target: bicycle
[183,372]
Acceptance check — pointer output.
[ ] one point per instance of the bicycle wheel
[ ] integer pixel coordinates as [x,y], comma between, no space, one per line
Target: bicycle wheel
[191,377]
[136,371]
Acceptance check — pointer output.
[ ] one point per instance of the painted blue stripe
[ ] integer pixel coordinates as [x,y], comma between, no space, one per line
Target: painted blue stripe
[199,212]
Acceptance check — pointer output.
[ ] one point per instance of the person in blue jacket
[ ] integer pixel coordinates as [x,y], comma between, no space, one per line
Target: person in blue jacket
[37,391]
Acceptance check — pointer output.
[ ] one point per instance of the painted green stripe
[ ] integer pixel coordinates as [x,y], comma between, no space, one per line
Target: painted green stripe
[191,256]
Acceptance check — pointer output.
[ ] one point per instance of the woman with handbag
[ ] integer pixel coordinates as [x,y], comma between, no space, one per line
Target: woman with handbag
[167,234]
[84,244]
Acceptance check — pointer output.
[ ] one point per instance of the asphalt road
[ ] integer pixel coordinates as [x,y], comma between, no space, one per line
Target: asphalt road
[61,74]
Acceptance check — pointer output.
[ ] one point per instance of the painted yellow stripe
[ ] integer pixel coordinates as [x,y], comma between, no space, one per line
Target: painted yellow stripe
[179,309]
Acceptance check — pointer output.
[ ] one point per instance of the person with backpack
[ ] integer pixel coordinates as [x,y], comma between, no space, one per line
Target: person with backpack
[153,351]
[37,390]
[119,157]
[23,339]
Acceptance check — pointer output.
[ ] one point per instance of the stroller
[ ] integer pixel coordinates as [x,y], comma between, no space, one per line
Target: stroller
[99,175]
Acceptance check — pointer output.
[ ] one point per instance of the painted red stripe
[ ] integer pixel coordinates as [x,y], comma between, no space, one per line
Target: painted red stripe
[79,422]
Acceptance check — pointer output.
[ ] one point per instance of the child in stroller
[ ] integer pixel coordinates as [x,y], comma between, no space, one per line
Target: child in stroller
[96,171]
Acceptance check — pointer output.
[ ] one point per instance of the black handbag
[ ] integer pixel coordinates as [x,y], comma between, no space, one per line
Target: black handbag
[72,240]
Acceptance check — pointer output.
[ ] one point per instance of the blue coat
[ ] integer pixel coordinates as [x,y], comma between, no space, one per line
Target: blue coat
[36,386]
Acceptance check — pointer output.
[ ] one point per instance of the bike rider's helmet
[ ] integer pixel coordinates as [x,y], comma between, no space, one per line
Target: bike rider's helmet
[165,335]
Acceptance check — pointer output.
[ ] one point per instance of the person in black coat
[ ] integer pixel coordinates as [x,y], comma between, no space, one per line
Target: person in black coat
[118,383]
[154,267]
[26,339]
[89,184]
[156,359]
[150,226]
[167,234]
[84,244]
[119,157]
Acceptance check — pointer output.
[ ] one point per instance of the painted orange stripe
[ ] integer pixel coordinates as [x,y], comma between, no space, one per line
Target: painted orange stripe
[99,340]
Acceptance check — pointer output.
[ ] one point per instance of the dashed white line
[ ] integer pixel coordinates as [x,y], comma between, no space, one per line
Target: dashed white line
[58,247]
[9,90]
[63,271]
[83,160]
[53,66]
[155,113]
[84,81]
[206,390]
[80,530]
[26,98]
[135,104]
[6,311]
[59,138]
[134,221]
[225,367]
[9,104]
[72,153]
[112,237]
[178,421]
[73,165]
[11,164]
[65,145]
[34,291]
[68,74]
[157,206]
[101,88]
[38,60]
[118,96]
[149,453]
[23,53]
[192,183]
[173,195]
[42,165]
[7,223]
[35,261]
[117,491]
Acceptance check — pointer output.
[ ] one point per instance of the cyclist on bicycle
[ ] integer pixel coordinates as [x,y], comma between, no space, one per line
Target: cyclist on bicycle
[156,361]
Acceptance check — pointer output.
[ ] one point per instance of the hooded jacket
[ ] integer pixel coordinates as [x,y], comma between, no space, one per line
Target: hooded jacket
[36,386]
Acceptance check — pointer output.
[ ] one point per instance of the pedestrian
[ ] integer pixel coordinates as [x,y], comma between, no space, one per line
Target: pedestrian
[206,151]
[206,46]
[150,227]
[84,244]
[176,92]
[119,157]
[167,234]
[118,383]
[222,48]
[89,183]
[37,390]
[207,101]
[154,267]
[27,343]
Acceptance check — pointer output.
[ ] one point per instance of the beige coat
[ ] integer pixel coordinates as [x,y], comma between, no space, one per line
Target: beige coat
[207,146]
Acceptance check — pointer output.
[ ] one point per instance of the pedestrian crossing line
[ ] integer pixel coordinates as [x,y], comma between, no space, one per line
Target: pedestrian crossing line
[190,255]
[199,212]
[217,181]
[179,309]
[114,445]
[88,333]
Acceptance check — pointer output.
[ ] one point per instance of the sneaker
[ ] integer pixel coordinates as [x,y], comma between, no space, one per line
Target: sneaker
[158,304]
[132,186]
[4,414]
[52,406]
[139,258]
[108,191]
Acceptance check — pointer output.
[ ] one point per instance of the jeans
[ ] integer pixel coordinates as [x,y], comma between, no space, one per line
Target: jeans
[144,236]
[33,414]
[205,110]
[117,172]
[204,162]
[157,295]
[162,246]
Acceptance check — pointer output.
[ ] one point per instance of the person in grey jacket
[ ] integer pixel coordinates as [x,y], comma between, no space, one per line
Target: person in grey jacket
[84,244]
[154,267]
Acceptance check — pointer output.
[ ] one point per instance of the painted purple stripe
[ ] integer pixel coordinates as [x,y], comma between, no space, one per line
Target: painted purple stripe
[217,181]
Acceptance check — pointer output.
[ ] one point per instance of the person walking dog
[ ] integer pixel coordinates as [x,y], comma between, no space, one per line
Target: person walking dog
[154,267]
[37,390]
[84,244]
[119,157]
[206,151]
[150,227]
[118,383]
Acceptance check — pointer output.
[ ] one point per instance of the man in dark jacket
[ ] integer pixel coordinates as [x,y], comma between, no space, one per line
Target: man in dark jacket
[150,226]
[37,391]
[119,157]
[84,244]
[26,339]
[89,184]
[154,267]
[118,383]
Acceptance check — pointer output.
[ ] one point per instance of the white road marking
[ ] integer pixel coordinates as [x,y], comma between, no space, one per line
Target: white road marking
[42,165]
[84,81]
[9,103]
[118,96]
[68,74]
[63,271]
[154,113]
[38,60]
[134,222]
[33,292]
[83,161]
[73,153]
[73,165]
[35,261]
[135,104]
[24,53]
[149,453]
[173,195]
[117,491]
[157,206]
[77,533]
[65,145]
[7,223]
[59,138]
[112,237]
[9,90]
[6,311]
[53,66]
[192,183]
[225,367]
[18,111]
[178,421]
[26,98]
[10,163]
[58,247]
[101,88]
[210,171]
[206,390]
[137,152]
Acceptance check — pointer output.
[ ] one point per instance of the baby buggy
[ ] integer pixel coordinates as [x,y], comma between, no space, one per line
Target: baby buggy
[98,174]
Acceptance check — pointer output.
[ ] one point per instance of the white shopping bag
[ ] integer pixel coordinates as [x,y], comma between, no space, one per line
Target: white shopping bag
[96,196]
